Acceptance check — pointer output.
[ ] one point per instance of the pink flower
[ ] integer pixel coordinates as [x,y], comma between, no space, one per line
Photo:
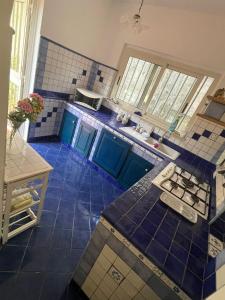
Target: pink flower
[25,106]
[37,97]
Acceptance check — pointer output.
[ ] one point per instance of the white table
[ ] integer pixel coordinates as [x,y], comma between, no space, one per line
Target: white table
[25,169]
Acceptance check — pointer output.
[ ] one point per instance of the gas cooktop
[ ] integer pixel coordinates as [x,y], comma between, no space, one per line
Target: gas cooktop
[185,187]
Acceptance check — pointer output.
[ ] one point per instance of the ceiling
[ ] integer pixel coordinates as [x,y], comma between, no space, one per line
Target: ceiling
[205,6]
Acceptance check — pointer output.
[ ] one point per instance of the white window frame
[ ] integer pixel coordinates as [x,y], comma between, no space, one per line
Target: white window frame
[30,55]
[164,62]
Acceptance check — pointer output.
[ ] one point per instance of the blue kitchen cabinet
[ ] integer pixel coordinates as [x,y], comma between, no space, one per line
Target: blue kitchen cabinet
[68,126]
[111,152]
[85,138]
[134,168]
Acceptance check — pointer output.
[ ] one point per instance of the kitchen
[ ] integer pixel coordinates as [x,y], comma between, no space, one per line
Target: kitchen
[119,160]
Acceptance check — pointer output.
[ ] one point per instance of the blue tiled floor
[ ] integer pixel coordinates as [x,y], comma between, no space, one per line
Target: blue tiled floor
[38,264]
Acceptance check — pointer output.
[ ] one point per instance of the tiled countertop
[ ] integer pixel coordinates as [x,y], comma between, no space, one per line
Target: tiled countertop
[22,161]
[108,117]
[177,247]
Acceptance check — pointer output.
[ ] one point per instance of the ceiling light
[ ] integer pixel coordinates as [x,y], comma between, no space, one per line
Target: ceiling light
[134,21]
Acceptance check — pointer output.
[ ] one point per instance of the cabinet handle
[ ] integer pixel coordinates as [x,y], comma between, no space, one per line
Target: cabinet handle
[114,138]
[146,170]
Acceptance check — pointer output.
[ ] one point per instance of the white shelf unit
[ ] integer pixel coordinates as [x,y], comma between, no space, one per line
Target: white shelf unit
[25,216]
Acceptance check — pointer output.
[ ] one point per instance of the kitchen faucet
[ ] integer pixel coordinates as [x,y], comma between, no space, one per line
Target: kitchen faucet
[171,128]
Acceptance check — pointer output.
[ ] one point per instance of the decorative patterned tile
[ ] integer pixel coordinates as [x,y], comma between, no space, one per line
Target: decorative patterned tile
[206,133]
[116,275]
[196,136]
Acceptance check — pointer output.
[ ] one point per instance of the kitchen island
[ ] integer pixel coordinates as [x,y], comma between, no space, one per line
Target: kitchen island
[142,249]
[25,184]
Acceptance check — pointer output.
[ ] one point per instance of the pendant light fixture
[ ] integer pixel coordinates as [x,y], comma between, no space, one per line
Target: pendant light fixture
[135,21]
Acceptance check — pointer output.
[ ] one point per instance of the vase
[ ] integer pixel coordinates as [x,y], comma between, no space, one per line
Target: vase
[14,128]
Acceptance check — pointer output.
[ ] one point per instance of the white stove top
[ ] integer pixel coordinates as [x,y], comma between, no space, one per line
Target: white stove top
[185,188]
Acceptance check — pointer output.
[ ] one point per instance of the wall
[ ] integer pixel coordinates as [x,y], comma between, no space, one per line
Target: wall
[59,72]
[5,39]
[185,35]
[113,268]
[80,25]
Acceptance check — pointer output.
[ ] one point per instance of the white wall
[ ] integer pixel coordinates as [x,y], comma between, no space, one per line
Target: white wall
[92,27]
[5,39]
[79,25]
[189,36]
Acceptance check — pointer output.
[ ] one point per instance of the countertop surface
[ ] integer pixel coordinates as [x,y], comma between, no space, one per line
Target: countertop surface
[22,161]
[178,247]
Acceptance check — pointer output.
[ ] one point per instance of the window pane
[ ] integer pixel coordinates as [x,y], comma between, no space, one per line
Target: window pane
[19,22]
[136,77]
[195,101]
[170,95]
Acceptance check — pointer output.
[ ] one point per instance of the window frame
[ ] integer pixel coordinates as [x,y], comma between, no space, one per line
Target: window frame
[164,62]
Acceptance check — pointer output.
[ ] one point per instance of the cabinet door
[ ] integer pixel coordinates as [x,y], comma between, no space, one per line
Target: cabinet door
[134,168]
[111,152]
[85,139]
[69,123]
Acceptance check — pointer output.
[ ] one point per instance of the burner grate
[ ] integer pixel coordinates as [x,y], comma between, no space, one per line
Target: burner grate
[187,183]
[179,182]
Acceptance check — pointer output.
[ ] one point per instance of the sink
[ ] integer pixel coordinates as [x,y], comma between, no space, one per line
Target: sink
[163,149]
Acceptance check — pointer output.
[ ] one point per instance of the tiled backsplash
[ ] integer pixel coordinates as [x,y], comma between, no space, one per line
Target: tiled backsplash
[62,70]
[205,139]
[84,117]
[48,122]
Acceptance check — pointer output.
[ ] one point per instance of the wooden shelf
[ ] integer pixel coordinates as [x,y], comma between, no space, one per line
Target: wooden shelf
[218,99]
[211,119]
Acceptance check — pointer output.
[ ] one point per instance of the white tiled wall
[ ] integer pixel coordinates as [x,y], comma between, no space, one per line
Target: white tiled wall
[205,147]
[61,67]
[52,124]
[208,148]
[58,67]
[111,278]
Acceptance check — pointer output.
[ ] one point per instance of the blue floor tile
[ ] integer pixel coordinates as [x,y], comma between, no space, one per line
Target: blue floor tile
[21,239]
[55,286]
[11,257]
[47,218]
[40,261]
[27,286]
[80,238]
[62,238]
[81,221]
[7,281]
[83,208]
[64,220]
[41,236]
[51,203]
[62,260]
[35,259]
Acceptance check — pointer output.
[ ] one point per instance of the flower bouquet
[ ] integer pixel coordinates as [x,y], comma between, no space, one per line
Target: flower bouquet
[28,108]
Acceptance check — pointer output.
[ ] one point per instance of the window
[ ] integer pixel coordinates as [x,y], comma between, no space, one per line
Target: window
[20,20]
[138,74]
[162,89]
